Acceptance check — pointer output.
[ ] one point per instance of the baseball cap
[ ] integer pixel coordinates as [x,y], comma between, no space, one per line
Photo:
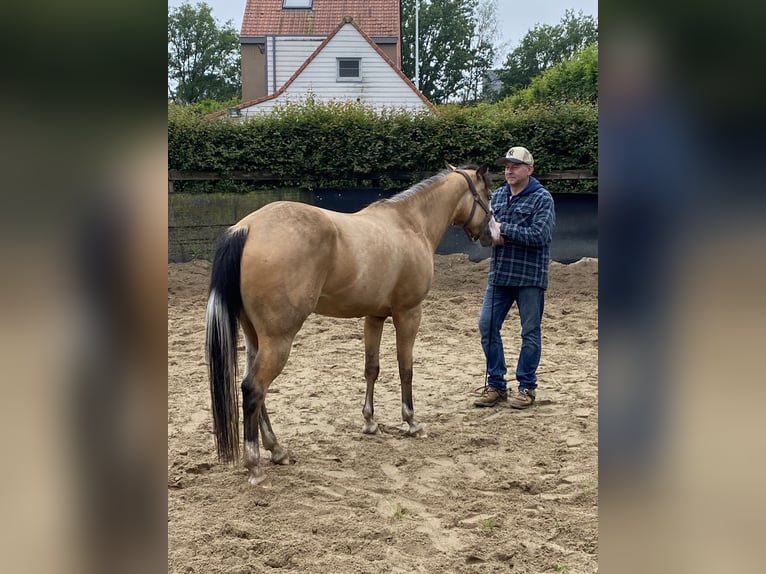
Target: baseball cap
[517,154]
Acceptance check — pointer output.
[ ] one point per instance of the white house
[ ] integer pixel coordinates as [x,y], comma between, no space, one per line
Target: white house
[346,65]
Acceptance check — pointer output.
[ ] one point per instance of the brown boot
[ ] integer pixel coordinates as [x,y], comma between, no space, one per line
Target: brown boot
[523,399]
[490,397]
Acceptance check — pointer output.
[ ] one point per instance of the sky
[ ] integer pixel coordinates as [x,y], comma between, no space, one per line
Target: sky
[516,18]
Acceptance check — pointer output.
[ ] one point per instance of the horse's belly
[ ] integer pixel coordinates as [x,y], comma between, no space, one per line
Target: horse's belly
[344,307]
[372,291]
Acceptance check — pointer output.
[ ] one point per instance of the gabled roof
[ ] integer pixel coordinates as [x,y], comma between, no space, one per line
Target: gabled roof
[321,46]
[379,18]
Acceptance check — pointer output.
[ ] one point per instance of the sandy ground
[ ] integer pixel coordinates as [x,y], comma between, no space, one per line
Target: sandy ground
[486,490]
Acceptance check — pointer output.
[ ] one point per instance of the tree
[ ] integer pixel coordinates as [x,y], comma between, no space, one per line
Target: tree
[453,50]
[485,45]
[573,80]
[544,46]
[203,58]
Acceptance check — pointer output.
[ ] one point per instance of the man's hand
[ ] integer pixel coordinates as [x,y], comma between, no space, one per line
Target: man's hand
[494,231]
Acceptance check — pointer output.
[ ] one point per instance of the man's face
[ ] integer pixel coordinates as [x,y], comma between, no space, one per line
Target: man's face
[517,173]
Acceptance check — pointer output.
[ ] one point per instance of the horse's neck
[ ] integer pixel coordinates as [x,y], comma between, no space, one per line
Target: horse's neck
[432,208]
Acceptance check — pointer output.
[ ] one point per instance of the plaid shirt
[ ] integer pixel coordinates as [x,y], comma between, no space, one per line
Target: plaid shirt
[526,224]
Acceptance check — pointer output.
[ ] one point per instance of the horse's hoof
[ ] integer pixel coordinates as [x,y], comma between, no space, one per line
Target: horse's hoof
[370,427]
[256,476]
[416,430]
[279,456]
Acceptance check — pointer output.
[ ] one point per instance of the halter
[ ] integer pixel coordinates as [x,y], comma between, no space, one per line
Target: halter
[477,200]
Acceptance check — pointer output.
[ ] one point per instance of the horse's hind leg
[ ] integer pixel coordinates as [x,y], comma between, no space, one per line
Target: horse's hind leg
[251,347]
[268,362]
[252,452]
[407,324]
[373,329]
[278,454]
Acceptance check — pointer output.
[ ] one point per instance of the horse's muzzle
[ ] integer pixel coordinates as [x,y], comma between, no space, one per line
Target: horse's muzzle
[485,239]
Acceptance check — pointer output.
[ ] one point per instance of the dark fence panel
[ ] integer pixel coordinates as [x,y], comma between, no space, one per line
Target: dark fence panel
[196,221]
[576,232]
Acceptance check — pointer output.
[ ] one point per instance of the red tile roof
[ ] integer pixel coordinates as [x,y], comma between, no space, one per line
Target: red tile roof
[375,17]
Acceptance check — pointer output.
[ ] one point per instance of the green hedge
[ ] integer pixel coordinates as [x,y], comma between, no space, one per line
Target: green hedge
[342,142]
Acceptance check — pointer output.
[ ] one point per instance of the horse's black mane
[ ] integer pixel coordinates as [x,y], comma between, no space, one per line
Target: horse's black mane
[402,195]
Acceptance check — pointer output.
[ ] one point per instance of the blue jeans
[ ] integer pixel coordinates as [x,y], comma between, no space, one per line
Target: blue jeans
[497,303]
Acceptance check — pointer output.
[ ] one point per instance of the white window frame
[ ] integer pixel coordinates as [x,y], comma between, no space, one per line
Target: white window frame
[357,78]
[299,4]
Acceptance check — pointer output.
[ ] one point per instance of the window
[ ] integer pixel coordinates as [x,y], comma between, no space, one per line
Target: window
[349,69]
[296,3]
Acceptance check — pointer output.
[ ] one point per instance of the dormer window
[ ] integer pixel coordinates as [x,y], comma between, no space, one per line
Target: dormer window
[297,3]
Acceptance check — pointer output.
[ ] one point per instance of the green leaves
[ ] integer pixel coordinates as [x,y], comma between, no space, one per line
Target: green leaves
[544,46]
[455,43]
[574,79]
[203,59]
[316,143]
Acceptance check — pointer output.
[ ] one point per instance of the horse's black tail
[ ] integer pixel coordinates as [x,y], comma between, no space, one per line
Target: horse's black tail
[223,307]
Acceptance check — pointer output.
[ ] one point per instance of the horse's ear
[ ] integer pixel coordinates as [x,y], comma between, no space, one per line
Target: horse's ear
[450,166]
[483,169]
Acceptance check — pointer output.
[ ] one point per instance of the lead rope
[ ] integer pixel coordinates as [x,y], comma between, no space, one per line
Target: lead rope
[488,214]
[485,388]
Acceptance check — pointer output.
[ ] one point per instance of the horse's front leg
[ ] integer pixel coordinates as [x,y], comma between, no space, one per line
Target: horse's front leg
[407,324]
[373,329]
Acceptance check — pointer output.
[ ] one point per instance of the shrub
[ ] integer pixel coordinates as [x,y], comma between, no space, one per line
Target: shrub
[341,143]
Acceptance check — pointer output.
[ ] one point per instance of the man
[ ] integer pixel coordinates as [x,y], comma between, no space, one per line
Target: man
[522,227]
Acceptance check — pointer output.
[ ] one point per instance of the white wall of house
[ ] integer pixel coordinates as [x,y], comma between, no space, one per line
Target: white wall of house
[284,55]
[379,85]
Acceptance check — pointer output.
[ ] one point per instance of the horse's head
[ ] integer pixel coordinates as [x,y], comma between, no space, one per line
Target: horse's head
[476,222]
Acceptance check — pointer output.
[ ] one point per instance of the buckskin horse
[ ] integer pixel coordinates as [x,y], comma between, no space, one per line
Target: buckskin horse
[287,260]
